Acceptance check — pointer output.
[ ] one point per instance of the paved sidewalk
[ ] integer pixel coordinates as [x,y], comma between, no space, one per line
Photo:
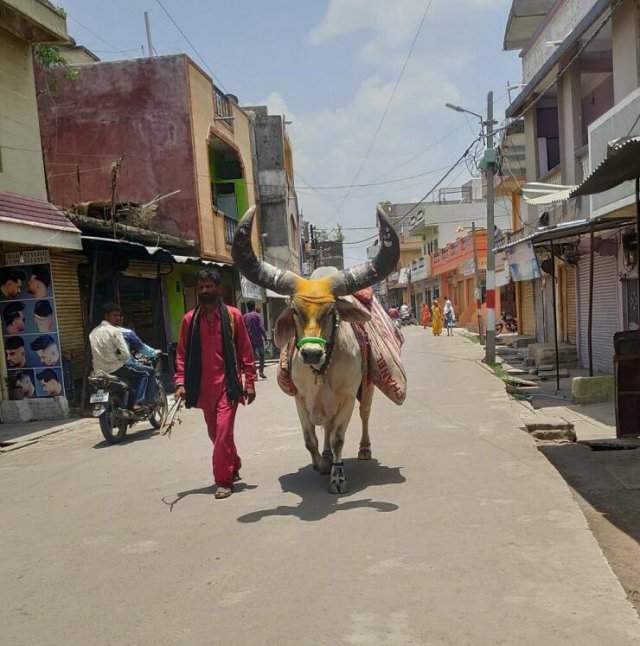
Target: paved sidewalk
[459,533]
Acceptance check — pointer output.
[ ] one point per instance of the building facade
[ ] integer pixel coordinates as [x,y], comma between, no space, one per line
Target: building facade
[580,92]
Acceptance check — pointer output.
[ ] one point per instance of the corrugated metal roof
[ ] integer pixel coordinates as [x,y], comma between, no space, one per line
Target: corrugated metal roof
[621,164]
[30,211]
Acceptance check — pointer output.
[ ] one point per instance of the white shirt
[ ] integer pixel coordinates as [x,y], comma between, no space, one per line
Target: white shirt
[448,309]
[108,348]
[404,309]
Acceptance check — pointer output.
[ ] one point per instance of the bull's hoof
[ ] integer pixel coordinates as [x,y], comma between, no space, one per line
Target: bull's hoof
[338,487]
[325,463]
[364,453]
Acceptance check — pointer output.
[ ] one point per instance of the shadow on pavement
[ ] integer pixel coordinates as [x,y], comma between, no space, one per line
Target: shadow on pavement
[317,503]
[131,436]
[208,491]
[609,481]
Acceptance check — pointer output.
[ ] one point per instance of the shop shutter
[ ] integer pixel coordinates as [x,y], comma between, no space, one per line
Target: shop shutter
[572,303]
[73,336]
[605,311]
[527,308]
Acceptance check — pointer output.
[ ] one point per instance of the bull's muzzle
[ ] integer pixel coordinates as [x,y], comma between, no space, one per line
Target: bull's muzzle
[312,354]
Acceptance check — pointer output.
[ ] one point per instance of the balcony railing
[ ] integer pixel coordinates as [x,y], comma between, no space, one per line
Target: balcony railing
[230,225]
[222,107]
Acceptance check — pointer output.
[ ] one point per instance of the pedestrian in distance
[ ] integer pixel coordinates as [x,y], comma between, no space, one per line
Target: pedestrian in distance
[214,354]
[449,316]
[436,319]
[255,327]
[425,316]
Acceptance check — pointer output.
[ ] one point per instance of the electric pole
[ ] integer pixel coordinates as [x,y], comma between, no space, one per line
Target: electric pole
[147,26]
[490,160]
[476,288]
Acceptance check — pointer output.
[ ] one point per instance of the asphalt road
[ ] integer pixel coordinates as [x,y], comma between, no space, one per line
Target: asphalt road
[458,532]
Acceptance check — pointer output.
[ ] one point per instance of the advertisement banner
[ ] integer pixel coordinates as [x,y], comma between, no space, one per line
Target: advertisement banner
[523,264]
[30,327]
[250,291]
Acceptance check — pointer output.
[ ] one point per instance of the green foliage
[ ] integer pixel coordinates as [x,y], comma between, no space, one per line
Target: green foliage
[50,59]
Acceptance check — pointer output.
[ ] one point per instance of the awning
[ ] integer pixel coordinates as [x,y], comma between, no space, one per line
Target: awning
[143,252]
[621,165]
[28,221]
[539,193]
[566,230]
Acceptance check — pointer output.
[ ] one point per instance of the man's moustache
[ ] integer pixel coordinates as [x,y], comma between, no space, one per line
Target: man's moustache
[208,299]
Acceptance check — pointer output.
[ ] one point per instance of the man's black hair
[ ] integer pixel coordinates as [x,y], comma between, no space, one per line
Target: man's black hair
[14,342]
[251,306]
[47,375]
[209,273]
[43,309]
[23,373]
[107,308]
[43,342]
[42,274]
[7,274]
[11,312]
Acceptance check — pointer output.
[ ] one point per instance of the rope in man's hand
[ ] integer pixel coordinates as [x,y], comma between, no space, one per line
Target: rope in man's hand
[172,416]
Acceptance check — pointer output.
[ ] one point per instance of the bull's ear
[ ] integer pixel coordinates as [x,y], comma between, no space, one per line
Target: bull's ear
[285,328]
[351,310]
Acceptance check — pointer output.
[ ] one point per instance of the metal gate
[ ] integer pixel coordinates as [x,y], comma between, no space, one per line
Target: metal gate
[605,311]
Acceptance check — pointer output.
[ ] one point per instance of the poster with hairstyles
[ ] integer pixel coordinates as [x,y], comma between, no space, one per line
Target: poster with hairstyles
[31,345]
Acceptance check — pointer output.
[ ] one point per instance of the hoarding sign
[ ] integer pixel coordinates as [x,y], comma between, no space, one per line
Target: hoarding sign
[30,326]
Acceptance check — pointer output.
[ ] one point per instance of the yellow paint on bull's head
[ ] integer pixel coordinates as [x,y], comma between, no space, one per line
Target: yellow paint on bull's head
[312,300]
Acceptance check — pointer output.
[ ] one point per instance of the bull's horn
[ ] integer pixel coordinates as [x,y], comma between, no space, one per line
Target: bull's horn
[371,272]
[257,271]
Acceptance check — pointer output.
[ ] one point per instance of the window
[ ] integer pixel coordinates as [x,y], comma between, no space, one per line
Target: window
[548,139]
[229,229]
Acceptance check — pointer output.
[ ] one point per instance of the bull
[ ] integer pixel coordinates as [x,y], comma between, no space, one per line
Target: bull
[327,367]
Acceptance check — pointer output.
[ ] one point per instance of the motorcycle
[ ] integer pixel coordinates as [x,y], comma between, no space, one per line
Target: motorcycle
[111,400]
[506,324]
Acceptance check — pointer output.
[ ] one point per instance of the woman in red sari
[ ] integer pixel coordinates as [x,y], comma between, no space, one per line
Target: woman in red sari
[425,316]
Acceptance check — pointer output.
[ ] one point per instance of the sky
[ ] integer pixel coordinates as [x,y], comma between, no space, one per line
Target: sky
[335,68]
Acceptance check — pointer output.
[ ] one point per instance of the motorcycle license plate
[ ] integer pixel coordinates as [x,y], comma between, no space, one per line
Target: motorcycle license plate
[99,397]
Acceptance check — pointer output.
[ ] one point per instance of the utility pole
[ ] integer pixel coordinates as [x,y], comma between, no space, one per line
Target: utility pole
[147,26]
[115,172]
[490,160]
[476,288]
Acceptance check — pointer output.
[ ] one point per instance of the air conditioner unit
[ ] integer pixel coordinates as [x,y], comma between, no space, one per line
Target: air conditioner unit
[613,124]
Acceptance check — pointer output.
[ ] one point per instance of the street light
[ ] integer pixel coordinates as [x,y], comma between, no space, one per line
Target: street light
[458,108]
[488,165]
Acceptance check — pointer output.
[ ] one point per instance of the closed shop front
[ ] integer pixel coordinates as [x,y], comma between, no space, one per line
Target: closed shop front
[527,309]
[571,292]
[605,311]
[73,334]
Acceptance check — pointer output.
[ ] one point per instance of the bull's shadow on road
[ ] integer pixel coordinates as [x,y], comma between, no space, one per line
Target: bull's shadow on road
[317,503]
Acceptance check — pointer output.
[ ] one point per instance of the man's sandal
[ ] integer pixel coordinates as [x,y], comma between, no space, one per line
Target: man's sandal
[223,492]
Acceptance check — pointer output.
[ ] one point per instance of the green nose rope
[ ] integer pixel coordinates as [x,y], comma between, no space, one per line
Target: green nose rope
[310,339]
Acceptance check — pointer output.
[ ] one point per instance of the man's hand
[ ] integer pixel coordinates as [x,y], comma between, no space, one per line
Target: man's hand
[251,396]
[180,392]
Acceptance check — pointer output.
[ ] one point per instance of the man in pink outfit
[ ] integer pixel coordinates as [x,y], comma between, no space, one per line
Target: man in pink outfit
[214,355]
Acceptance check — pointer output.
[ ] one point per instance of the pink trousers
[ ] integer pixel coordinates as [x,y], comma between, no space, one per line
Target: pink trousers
[225,460]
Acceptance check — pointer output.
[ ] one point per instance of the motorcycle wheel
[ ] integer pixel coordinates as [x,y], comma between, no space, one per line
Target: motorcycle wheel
[159,413]
[113,428]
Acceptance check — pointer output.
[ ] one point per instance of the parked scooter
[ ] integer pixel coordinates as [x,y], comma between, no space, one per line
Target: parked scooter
[111,403]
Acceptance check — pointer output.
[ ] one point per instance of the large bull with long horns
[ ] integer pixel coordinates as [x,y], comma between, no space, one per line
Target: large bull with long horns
[327,367]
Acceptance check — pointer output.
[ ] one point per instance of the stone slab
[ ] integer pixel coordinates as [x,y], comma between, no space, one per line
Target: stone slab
[592,390]
[543,423]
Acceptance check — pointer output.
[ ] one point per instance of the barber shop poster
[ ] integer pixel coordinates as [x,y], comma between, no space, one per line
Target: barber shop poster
[29,326]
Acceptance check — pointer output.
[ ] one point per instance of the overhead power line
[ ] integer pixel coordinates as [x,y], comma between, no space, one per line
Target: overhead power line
[388,106]
[93,33]
[427,194]
[193,47]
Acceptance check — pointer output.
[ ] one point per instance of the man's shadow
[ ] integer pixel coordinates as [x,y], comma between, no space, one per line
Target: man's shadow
[317,503]
[208,491]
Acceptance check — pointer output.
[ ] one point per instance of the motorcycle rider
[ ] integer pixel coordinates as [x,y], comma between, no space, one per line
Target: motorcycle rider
[111,347]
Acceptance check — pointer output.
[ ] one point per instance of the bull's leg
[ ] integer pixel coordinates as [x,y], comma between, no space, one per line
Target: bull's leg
[327,455]
[310,438]
[365,411]
[338,479]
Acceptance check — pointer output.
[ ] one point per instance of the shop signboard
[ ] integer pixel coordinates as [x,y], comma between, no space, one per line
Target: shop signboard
[250,291]
[522,261]
[30,326]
